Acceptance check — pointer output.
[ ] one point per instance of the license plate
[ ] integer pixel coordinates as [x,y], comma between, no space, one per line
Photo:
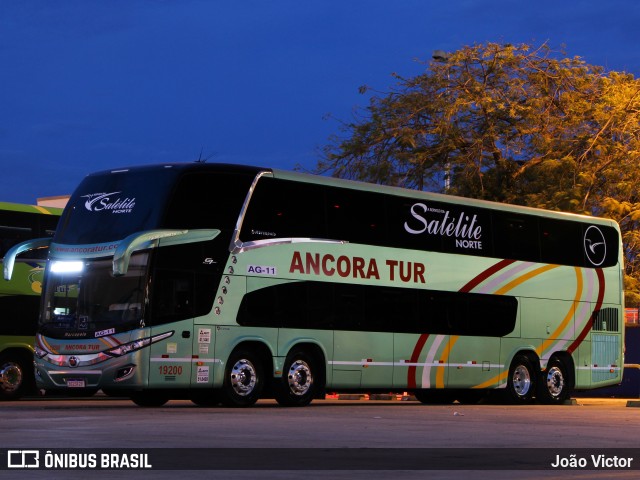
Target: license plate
[75,383]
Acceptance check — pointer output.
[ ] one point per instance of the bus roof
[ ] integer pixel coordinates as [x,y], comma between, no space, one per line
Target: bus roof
[356,185]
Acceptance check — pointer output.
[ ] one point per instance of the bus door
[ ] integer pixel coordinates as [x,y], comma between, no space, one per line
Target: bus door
[172,311]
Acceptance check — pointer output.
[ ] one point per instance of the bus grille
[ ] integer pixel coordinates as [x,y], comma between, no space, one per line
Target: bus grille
[606,320]
[605,352]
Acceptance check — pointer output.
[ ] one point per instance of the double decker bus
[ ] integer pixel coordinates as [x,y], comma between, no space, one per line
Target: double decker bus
[227,284]
[20,297]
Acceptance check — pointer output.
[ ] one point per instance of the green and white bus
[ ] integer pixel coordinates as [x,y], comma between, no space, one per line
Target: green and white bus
[20,297]
[226,284]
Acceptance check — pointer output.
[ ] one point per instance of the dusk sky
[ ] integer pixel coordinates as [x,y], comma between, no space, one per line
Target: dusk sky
[89,85]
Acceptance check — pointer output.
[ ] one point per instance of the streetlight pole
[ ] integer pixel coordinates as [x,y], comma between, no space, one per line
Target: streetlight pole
[443,57]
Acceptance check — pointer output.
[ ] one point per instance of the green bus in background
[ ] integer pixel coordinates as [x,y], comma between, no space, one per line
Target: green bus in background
[20,297]
[227,284]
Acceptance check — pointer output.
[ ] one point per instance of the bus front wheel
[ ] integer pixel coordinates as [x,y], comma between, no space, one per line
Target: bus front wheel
[521,383]
[296,388]
[243,380]
[149,398]
[16,376]
[555,384]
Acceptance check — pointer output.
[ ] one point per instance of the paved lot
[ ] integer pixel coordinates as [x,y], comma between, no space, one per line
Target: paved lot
[101,423]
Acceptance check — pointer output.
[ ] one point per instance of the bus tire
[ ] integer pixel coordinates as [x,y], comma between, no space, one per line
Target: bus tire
[430,396]
[521,383]
[16,376]
[297,386]
[555,385]
[206,398]
[243,379]
[471,396]
[149,398]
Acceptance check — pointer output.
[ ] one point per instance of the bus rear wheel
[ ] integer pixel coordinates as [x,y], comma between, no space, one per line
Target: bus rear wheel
[243,380]
[554,386]
[297,386]
[521,384]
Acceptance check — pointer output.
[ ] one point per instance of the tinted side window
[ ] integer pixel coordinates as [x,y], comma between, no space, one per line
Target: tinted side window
[355,216]
[339,306]
[516,236]
[560,242]
[207,200]
[183,286]
[284,209]
[16,227]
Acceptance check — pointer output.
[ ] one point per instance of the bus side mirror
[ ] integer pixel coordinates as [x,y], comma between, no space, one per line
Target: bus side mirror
[155,238]
[10,257]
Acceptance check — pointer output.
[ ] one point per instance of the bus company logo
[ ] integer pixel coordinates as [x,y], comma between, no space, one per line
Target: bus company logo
[74,361]
[464,228]
[23,458]
[594,245]
[110,202]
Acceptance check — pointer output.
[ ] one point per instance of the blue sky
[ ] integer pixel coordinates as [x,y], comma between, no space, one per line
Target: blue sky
[89,85]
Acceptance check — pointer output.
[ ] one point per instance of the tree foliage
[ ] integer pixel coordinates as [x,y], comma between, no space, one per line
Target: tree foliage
[508,123]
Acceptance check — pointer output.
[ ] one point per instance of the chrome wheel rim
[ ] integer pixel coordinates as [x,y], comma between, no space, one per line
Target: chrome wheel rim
[521,380]
[555,381]
[243,377]
[299,377]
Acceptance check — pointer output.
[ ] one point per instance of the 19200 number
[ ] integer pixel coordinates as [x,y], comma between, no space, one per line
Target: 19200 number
[170,370]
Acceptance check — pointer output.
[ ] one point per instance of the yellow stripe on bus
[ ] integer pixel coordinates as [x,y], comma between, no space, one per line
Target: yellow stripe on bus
[527,276]
[546,343]
[514,283]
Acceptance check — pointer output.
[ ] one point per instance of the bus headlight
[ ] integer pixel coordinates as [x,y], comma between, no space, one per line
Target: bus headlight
[126,348]
[63,266]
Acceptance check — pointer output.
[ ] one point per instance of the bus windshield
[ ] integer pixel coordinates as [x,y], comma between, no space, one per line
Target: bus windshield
[84,299]
[109,207]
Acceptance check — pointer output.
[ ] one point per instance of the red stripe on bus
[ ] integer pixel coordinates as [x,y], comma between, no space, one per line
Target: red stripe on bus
[411,373]
[589,324]
[486,274]
[411,380]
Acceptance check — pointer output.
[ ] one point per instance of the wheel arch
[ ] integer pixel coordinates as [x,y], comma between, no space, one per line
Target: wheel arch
[567,359]
[528,352]
[260,348]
